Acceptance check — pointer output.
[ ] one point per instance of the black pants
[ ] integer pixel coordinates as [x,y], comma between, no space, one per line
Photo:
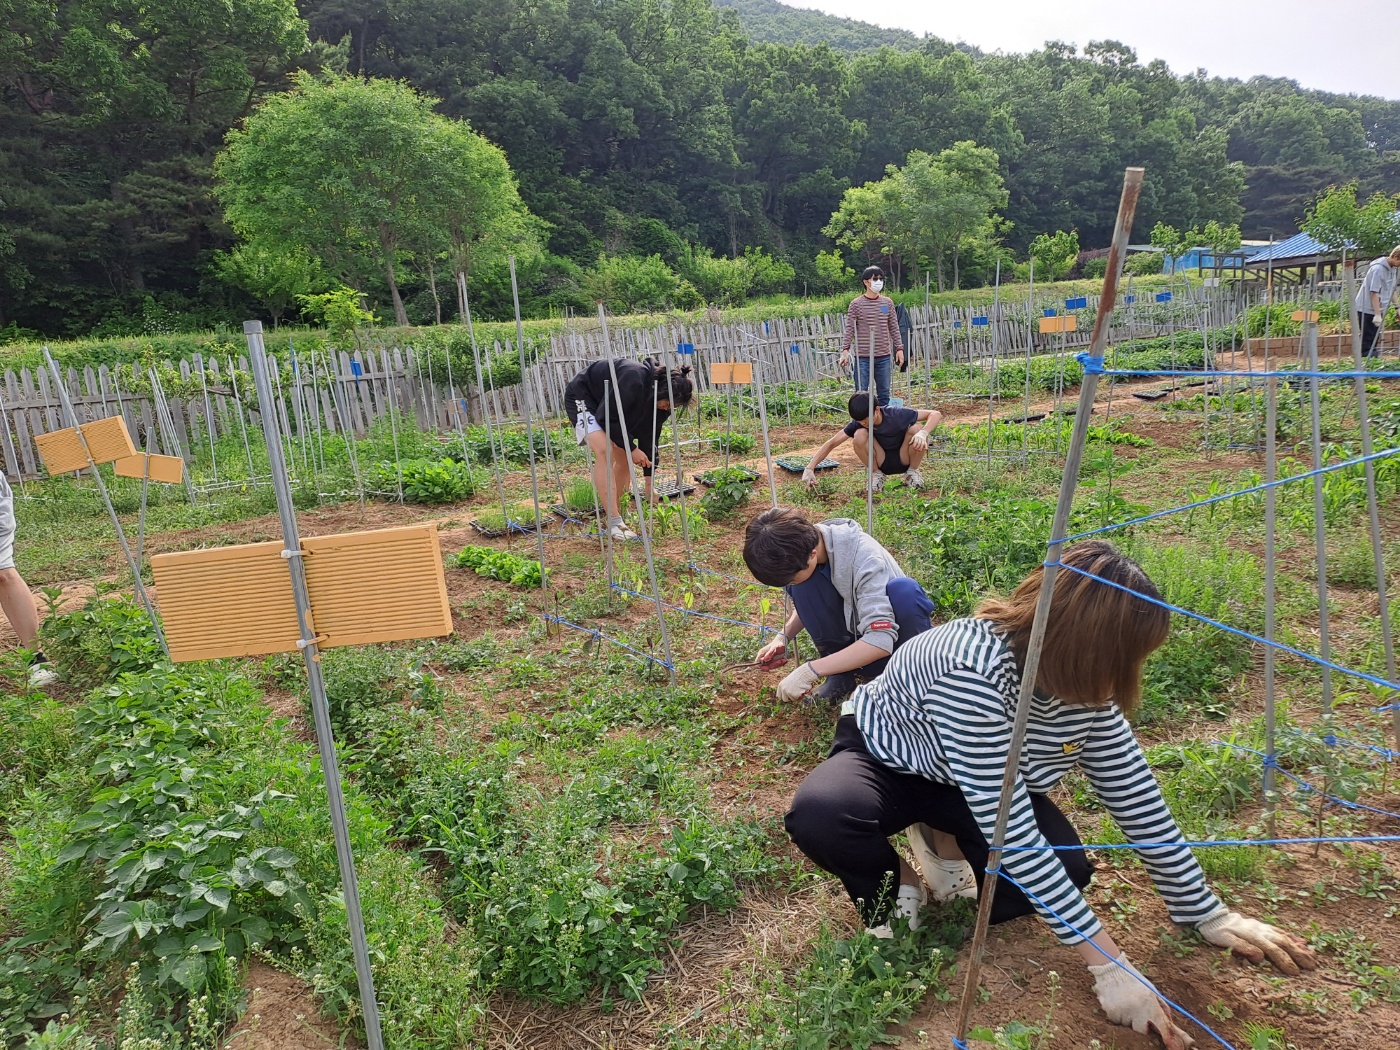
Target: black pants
[846,809]
[1370,345]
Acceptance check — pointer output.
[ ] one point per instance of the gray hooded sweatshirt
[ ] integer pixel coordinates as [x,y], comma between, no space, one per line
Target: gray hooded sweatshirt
[861,569]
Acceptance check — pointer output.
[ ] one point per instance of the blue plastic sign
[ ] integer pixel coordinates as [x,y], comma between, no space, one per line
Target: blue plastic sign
[957,324]
[1048,312]
[1077,304]
[794,349]
[765,327]
[685,348]
[1129,299]
[356,369]
[1164,297]
[981,322]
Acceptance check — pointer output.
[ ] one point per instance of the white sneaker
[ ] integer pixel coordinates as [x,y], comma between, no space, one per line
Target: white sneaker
[906,906]
[914,480]
[621,532]
[877,482]
[945,879]
[41,676]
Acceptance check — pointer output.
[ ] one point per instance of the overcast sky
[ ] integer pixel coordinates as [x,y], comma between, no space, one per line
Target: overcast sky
[1337,45]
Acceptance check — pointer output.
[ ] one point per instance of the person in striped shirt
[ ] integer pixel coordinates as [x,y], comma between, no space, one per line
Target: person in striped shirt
[873,329]
[924,747]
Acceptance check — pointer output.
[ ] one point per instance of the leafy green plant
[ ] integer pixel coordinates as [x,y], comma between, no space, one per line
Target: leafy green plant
[729,487]
[426,480]
[735,444]
[104,637]
[501,565]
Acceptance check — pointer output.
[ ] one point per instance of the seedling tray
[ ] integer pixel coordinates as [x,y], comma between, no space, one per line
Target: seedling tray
[670,490]
[524,528]
[796,464]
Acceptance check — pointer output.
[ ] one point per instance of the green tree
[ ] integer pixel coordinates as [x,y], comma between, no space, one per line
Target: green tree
[1055,254]
[362,174]
[1339,219]
[276,277]
[626,283]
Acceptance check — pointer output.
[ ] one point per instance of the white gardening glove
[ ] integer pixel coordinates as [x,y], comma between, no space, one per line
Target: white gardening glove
[798,683]
[1132,1003]
[845,359]
[1257,940]
[920,441]
[774,652]
[809,477]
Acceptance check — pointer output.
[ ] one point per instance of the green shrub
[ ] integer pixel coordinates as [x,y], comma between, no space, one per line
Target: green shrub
[729,487]
[735,444]
[101,639]
[426,480]
[580,496]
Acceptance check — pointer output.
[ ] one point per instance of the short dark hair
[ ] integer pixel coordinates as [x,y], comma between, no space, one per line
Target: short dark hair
[859,405]
[870,273]
[778,544]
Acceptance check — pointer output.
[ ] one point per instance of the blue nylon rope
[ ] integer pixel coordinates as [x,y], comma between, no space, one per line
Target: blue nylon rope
[1332,740]
[1272,761]
[1231,630]
[600,636]
[1231,495]
[723,576]
[1148,985]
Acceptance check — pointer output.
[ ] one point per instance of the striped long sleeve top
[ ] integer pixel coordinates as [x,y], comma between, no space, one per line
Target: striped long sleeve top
[866,316]
[944,709]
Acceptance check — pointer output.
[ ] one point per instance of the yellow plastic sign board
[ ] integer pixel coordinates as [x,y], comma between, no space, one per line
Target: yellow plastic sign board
[386,585]
[731,373]
[108,440]
[61,450]
[1303,315]
[169,470]
[1065,323]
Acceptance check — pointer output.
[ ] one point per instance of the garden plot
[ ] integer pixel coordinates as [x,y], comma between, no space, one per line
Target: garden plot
[559,848]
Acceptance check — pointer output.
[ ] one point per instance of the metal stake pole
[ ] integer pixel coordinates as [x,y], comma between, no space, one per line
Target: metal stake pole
[1270,540]
[529,427]
[1319,513]
[71,418]
[486,413]
[1372,504]
[316,684]
[1127,205]
[636,496]
[242,421]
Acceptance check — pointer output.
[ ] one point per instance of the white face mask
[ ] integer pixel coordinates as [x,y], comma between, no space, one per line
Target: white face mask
[876,285]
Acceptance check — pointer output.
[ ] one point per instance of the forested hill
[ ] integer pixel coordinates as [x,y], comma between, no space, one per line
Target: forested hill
[768,21]
[633,128]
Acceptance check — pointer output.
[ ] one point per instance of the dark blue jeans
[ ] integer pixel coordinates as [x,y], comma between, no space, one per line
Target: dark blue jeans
[823,613]
[883,366]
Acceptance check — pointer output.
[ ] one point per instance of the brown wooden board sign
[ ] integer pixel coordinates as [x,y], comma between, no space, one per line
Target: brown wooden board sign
[1067,323]
[169,470]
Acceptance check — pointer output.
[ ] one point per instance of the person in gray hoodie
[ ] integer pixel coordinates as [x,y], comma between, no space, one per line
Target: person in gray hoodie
[847,591]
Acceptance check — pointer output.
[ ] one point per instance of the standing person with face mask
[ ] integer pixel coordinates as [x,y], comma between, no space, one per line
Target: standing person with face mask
[873,330]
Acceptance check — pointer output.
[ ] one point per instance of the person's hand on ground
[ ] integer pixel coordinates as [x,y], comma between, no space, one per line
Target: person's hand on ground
[809,477]
[774,650]
[640,458]
[1257,941]
[920,441]
[798,683]
[1132,1003]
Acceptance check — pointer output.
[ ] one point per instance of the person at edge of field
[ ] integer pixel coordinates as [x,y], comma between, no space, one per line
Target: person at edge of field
[847,592]
[871,322]
[924,746]
[1373,299]
[648,393]
[901,440]
[16,599]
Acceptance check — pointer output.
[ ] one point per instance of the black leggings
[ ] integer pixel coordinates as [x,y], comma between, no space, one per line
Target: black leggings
[846,809]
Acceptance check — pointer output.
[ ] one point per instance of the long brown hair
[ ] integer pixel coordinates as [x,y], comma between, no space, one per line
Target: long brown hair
[1098,636]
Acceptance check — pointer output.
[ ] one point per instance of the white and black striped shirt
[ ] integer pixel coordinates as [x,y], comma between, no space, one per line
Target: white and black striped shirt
[944,709]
